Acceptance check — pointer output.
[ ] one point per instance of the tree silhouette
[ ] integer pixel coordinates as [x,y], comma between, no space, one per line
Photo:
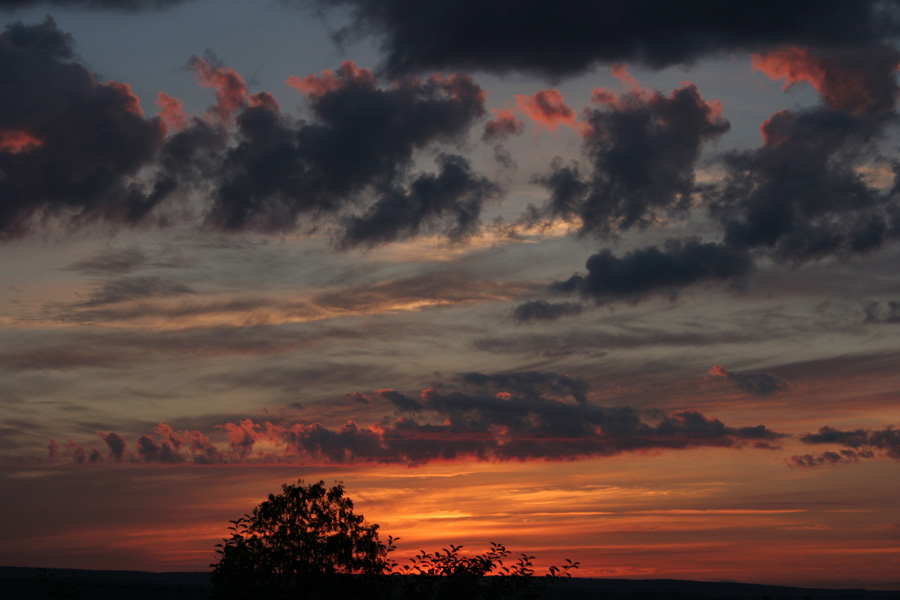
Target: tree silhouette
[301,539]
[307,541]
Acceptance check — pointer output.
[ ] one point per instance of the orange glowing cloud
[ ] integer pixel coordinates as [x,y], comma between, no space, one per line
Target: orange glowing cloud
[329,81]
[231,91]
[265,100]
[132,102]
[547,108]
[852,83]
[171,111]
[504,124]
[774,129]
[17,141]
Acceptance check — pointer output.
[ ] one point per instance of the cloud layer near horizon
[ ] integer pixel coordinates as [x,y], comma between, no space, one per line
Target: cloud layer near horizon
[514,416]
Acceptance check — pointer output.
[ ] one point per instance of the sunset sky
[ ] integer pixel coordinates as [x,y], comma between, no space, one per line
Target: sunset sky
[610,281]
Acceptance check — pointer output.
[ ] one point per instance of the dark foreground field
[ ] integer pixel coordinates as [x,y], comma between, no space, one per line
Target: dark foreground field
[17,583]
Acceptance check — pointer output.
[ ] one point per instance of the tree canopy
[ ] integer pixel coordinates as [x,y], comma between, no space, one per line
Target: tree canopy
[308,540]
[296,538]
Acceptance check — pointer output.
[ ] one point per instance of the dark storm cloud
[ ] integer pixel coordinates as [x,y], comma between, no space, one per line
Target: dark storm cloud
[757,384]
[452,199]
[800,196]
[568,37]
[78,151]
[360,144]
[124,5]
[652,271]
[69,145]
[860,80]
[540,310]
[859,444]
[513,416]
[643,147]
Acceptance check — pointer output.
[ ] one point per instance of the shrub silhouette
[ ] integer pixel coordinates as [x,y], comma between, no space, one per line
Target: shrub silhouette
[307,541]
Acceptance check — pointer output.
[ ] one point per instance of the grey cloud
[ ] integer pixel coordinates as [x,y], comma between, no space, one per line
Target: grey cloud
[500,417]
[571,36]
[540,310]
[757,384]
[799,196]
[654,271]
[859,444]
[643,147]
[134,288]
[122,5]
[72,157]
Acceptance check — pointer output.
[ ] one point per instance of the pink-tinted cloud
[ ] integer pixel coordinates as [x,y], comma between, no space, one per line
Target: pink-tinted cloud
[265,100]
[504,124]
[115,443]
[777,128]
[171,111]
[861,81]
[127,98]
[16,141]
[508,417]
[329,81]
[547,108]
[635,95]
[231,91]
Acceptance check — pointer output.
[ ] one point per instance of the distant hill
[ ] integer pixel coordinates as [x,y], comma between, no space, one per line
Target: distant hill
[21,583]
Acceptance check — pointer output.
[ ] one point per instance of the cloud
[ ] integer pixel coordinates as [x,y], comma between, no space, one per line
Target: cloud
[231,91]
[860,80]
[514,416]
[159,302]
[88,143]
[123,5]
[449,201]
[171,111]
[540,310]
[403,402]
[757,384]
[875,314]
[110,262]
[358,150]
[859,444]
[116,444]
[800,195]
[655,271]
[643,147]
[134,288]
[547,108]
[351,166]
[503,125]
[571,36]
[531,384]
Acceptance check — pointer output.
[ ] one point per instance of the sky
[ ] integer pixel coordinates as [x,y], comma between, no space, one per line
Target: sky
[608,281]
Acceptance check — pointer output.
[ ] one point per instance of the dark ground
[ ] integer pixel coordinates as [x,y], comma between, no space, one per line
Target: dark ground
[19,583]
